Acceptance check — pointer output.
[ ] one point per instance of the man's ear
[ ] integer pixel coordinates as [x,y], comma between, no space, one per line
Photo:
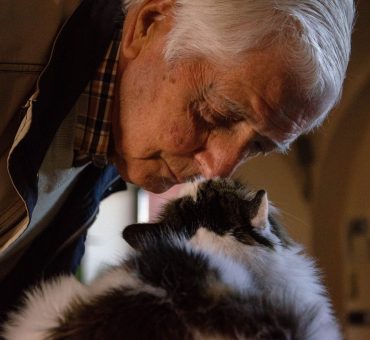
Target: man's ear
[141,23]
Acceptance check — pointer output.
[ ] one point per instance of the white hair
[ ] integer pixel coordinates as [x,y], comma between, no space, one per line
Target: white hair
[313,35]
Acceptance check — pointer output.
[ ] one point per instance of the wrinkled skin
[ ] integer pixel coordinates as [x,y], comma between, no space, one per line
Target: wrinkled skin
[175,121]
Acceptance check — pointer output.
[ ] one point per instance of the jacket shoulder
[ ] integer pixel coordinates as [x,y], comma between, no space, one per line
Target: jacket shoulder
[27,33]
[28,28]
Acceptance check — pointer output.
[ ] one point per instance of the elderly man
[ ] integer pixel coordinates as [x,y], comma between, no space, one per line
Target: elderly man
[162,91]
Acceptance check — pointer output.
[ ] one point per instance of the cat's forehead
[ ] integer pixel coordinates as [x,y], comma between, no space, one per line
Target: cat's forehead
[203,189]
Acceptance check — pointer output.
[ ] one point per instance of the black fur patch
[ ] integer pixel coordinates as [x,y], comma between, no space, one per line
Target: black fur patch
[121,315]
[182,275]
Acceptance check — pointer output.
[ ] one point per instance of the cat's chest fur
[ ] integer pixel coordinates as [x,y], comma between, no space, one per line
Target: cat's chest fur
[214,266]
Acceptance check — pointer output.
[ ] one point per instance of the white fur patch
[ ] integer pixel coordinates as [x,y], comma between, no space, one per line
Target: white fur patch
[222,256]
[44,305]
[191,188]
[281,275]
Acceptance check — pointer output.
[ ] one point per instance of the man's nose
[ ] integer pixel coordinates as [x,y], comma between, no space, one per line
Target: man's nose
[220,161]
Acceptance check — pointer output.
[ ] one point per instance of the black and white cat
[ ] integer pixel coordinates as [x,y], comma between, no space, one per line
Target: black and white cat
[214,266]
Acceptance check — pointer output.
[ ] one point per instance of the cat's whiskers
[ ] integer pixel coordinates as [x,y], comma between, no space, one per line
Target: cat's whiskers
[292,216]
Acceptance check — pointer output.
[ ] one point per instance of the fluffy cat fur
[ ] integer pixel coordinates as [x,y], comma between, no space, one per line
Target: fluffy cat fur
[215,266]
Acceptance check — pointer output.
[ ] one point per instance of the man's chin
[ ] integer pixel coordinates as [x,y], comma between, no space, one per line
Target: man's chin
[154,184]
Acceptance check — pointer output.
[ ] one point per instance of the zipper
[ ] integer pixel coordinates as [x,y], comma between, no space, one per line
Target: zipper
[27,222]
[28,105]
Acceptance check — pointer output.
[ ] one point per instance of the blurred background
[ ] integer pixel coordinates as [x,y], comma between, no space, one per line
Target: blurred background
[322,188]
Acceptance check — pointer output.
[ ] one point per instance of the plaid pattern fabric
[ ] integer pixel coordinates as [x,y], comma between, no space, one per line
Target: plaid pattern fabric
[92,132]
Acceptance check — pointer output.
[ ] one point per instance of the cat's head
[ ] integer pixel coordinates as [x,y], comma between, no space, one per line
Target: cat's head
[220,208]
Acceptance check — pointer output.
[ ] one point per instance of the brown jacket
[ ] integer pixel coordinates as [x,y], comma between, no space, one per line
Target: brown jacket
[49,51]
[28,30]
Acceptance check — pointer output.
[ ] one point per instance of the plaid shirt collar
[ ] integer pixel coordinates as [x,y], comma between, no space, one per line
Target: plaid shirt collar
[92,131]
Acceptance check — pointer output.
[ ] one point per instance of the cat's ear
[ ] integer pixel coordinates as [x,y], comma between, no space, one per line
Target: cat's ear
[260,219]
[136,235]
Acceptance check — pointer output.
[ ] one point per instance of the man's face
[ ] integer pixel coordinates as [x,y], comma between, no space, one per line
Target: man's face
[195,118]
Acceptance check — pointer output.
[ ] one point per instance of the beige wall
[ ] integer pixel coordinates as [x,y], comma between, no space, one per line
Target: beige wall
[283,181]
